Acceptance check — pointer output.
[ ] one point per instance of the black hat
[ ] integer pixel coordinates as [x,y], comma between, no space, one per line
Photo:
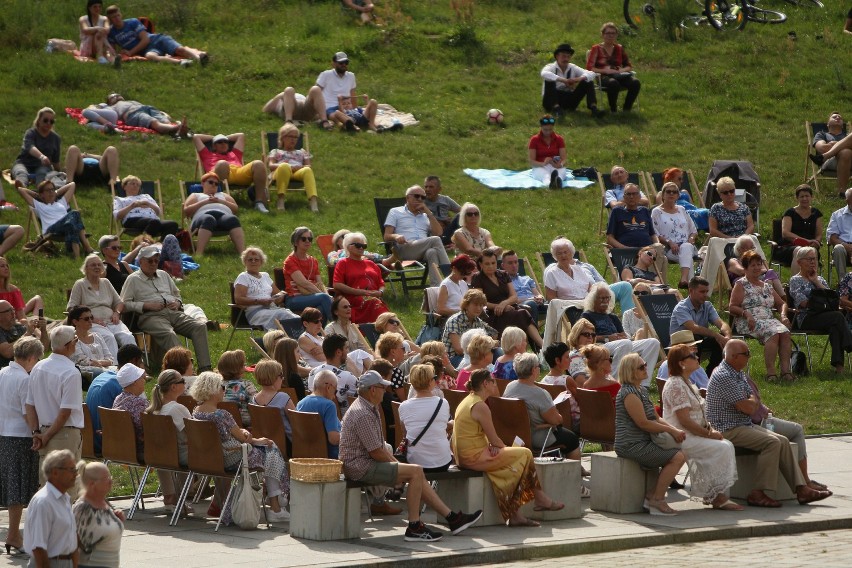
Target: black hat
[566,47]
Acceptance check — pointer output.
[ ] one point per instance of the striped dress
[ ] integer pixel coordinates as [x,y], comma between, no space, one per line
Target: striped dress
[632,442]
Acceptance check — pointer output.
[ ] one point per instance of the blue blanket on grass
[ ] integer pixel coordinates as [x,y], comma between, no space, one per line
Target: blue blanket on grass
[511,179]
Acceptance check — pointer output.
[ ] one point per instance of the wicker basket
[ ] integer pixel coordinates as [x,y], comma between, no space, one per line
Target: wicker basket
[315,470]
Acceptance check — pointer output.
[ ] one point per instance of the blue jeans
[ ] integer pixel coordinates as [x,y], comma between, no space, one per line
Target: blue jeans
[322,302]
[623,293]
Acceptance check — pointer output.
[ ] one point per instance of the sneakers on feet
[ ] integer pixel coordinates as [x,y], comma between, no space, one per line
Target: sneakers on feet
[186,62]
[554,179]
[281,515]
[421,533]
[261,207]
[458,522]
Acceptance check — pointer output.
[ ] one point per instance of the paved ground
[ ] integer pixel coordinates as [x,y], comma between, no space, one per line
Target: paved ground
[149,541]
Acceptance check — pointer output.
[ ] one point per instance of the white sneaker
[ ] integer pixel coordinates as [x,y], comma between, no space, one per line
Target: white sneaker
[103,60]
[283,501]
[261,207]
[186,62]
[281,515]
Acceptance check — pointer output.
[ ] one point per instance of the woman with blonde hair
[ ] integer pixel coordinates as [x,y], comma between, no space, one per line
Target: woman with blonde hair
[635,421]
[676,231]
[729,217]
[479,351]
[470,238]
[288,162]
[389,321]
[232,367]
[643,270]
[270,377]
[582,333]
[426,418]
[599,364]
[139,211]
[270,338]
[447,378]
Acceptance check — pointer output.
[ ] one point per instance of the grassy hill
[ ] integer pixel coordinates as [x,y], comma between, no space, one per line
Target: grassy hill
[711,96]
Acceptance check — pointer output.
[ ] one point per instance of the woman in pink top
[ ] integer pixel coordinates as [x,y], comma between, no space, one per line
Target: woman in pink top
[303,283]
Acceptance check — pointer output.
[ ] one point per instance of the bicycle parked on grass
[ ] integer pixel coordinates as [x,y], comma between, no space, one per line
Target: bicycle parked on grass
[721,14]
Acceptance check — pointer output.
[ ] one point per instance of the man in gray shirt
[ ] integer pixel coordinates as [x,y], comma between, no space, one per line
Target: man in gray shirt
[441,207]
[134,113]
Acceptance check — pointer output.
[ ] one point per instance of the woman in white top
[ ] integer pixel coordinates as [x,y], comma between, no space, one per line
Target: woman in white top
[257,293]
[139,211]
[96,292]
[94,28]
[454,286]
[470,238]
[171,385]
[211,211]
[56,217]
[565,280]
[432,450]
[310,342]
[360,355]
[676,232]
[91,353]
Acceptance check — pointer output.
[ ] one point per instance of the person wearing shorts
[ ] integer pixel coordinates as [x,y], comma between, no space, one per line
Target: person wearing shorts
[92,169]
[9,237]
[131,38]
[134,113]
[223,155]
[292,106]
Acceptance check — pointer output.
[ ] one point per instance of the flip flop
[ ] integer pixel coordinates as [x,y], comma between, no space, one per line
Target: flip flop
[729,505]
[525,523]
[554,506]
[813,484]
[788,377]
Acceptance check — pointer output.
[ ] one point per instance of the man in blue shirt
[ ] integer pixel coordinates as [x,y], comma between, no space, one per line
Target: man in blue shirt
[105,388]
[321,401]
[132,38]
[695,313]
[698,377]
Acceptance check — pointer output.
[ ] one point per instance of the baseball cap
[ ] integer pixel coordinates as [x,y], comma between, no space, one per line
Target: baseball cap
[339,57]
[219,138]
[61,336]
[371,378]
[149,252]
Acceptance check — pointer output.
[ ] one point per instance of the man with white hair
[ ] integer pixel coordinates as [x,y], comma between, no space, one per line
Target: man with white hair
[839,235]
[321,401]
[152,294]
[11,331]
[55,398]
[51,535]
[416,232]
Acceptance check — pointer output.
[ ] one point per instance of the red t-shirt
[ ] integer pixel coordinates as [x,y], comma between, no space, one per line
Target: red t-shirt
[544,151]
[308,267]
[209,159]
[15,298]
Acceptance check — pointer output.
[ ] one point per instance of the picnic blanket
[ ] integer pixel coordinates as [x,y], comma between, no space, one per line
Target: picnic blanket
[387,115]
[511,179]
[77,114]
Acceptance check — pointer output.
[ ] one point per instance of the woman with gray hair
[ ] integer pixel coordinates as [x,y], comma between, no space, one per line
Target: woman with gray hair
[257,293]
[470,238]
[513,342]
[303,283]
[564,280]
[360,281]
[598,306]
[96,292]
[99,526]
[736,270]
[18,461]
[545,420]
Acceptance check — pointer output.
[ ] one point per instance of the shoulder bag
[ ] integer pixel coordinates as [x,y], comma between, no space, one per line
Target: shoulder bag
[247,500]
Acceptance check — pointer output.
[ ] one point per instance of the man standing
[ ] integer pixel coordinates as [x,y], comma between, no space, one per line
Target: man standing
[51,532]
[441,207]
[730,404]
[131,38]
[92,168]
[566,84]
[525,287]
[367,459]
[839,235]
[338,82]
[335,349]
[834,151]
[55,399]
[152,294]
[321,401]
[226,161]
[416,232]
[695,313]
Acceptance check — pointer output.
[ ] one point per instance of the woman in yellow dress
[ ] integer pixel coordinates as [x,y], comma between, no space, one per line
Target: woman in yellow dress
[477,446]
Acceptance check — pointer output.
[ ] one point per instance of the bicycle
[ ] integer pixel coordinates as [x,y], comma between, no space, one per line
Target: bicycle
[643,14]
[733,14]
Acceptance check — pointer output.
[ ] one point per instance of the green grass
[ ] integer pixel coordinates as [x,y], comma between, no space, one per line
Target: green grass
[711,96]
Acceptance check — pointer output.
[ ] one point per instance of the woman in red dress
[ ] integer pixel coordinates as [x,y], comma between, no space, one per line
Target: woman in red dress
[360,280]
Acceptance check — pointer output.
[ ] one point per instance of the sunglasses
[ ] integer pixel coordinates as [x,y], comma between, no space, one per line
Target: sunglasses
[547,121]
[728,192]
[589,334]
[48,120]
[306,239]
[393,322]
[359,246]
[641,293]
[344,62]
[211,182]
[472,213]
[87,318]
[651,254]
[671,191]
[643,366]
[114,247]
[631,194]
[418,195]
[691,356]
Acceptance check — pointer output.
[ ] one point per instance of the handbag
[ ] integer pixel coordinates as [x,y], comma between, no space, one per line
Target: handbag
[665,440]
[823,300]
[401,453]
[247,500]
[430,331]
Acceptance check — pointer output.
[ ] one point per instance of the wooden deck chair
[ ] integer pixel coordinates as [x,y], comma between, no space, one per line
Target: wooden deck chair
[413,275]
[618,258]
[269,142]
[597,417]
[292,327]
[604,182]
[368,334]
[309,437]
[813,172]
[149,187]
[33,221]
[326,246]
[119,447]
[654,183]
[161,448]
[256,343]
[187,187]
[239,321]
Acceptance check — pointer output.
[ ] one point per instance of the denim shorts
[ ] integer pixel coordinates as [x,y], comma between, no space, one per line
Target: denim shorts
[163,45]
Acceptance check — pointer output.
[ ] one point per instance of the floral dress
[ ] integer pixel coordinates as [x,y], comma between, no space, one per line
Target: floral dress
[732,223]
[759,300]
[675,227]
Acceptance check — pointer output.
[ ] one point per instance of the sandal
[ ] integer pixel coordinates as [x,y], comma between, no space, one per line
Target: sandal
[762,500]
[326,125]
[554,506]
[788,377]
[728,505]
[813,484]
[772,379]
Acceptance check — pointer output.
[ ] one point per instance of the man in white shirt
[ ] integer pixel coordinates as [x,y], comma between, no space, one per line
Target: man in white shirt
[55,399]
[839,235]
[335,349]
[339,82]
[417,232]
[51,531]
[565,84]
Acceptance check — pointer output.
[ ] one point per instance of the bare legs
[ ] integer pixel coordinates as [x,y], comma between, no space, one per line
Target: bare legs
[667,474]
[108,162]
[13,234]
[419,490]
[779,342]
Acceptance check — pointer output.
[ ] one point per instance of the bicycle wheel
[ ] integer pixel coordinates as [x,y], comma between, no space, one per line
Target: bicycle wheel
[762,16]
[641,14]
[726,14]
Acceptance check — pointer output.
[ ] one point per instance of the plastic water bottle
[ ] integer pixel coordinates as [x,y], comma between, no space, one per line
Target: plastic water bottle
[769,423]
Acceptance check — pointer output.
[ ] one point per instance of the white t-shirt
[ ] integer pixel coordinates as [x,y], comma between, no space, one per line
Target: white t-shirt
[433,449]
[259,288]
[551,380]
[120,203]
[345,382]
[455,292]
[568,288]
[50,213]
[333,85]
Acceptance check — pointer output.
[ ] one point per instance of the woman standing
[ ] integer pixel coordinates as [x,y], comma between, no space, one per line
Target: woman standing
[286,163]
[98,294]
[303,283]
[635,421]
[257,293]
[546,154]
[360,281]
[18,461]
[676,231]
[710,456]
[454,286]
[800,225]
[729,218]
[643,270]
[99,526]
[470,238]
[141,212]
[477,446]
[211,211]
[13,295]
[609,59]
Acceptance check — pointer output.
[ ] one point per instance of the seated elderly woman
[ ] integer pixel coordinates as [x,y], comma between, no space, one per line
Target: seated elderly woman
[736,270]
[472,305]
[545,420]
[470,238]
[270,376]
[480,352]
[502,300]
[208,390]
[213,211]
[232,367]
[340,252]
[812,312]
[139,211]
[427,420]
[676,231]
[800,225]
[303,282]
[257,293]
[56,217]
[91,352]
[598,310]
[710,456]
[286,162]
[95,291]
[752,302]
[477,446]
[310,342]
[643,270]
[729,218]
[564,280]
[582,333]
[359,353]
[599,364]
[513,342]
[132,399]
[635,422]
[360,281]
[454,286]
